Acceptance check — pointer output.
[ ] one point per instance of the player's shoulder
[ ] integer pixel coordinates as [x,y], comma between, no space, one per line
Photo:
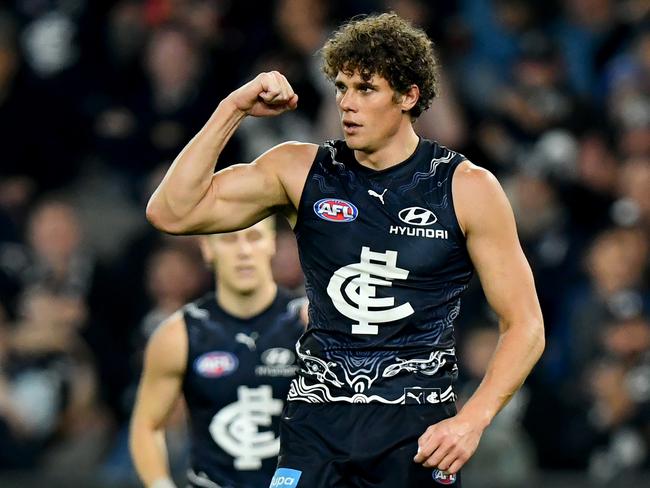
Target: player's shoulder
[167,347]
[477,195]
[472,177]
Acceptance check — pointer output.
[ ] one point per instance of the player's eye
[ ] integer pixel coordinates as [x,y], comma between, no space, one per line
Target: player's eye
[228,238]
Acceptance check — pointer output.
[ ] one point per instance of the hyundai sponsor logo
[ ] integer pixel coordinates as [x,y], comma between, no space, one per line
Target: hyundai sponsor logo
[278,356]
[418,232]
[417,216]
[335,210]
[215,364]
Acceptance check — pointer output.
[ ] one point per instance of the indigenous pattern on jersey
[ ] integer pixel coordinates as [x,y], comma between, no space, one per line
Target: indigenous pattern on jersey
[385,264]
[237,378]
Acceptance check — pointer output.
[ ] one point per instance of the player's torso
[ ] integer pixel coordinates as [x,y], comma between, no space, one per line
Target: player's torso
[237,379]
[385,263]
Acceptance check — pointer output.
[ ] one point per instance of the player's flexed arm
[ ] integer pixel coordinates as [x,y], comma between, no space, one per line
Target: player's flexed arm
[192,199]
[487,220]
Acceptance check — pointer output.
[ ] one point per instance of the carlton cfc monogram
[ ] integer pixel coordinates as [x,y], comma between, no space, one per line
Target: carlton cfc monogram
[358,283]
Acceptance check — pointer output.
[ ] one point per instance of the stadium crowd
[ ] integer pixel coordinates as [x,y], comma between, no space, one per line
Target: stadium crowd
[97,97]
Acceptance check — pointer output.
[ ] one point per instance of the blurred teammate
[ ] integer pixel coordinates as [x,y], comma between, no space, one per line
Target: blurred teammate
[390,228]
[231,358]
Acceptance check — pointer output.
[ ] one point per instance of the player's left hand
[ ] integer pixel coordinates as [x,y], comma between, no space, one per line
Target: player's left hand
[448,444]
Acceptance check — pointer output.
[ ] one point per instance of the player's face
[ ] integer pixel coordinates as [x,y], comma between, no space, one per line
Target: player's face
[243,259]
[370,114]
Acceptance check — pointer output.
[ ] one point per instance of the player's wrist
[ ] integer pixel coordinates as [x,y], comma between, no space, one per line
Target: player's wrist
[478,417]
[232,104]
[162,483]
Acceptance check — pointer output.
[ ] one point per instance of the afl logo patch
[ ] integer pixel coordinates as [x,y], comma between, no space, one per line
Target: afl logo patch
[335,210]
[215,364]
[443,478]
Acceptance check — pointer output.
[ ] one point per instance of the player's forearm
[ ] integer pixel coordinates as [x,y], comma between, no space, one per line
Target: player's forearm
[149,454]
[188,180]
[518,350]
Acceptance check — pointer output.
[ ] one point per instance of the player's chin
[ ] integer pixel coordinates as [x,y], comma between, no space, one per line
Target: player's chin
[354,142]
[247,285]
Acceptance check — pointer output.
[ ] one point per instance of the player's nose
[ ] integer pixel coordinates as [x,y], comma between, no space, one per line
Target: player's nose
[244,248]
[347,102]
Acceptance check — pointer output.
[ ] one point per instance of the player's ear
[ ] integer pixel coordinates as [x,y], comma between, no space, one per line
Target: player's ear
[206,249]
[409,98]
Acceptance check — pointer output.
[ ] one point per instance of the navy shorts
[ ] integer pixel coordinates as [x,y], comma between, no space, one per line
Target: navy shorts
[341,445]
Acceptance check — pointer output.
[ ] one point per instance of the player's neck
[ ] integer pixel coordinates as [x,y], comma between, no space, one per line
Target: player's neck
[397,149]
[246,305]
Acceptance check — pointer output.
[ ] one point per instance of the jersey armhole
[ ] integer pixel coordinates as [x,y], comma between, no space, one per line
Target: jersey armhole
[319,153]
[457,228]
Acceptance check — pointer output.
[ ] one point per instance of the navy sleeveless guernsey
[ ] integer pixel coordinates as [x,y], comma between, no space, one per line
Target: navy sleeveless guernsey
[385,264]
[237,378]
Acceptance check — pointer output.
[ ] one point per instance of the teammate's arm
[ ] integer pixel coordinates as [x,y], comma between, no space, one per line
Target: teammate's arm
[192,199]
[159,389]
[486,218]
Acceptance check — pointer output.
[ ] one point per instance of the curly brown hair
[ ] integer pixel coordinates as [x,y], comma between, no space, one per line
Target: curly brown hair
[389,46]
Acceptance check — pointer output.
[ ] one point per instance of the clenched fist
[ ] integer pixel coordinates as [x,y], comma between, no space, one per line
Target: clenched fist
[267,94]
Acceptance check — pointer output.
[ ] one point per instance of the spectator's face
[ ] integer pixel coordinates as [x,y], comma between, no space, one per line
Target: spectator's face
[242,259]
[172,60]
[617,260]
[369,113]
[597,168]
[302,22]
[54,232]
[628,339]
[173,277]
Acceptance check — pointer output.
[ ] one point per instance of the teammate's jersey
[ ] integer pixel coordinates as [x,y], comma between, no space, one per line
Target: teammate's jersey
[237,378]
[385,264]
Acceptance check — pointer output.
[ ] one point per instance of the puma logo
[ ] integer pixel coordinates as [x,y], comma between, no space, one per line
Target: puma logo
[248,341]
[414,396]
[373,193]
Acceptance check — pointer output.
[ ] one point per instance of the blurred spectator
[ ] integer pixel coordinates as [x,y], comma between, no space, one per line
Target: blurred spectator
[619,392]
[495,28]
[49,377]
[589,34]
[506,451]
[159,116]
[616,289]
[537,99]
